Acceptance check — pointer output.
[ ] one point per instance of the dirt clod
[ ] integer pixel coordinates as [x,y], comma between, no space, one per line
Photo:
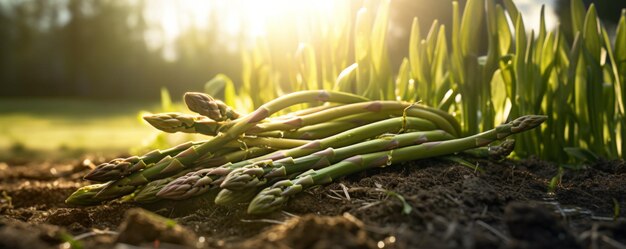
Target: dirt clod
[143,227]
[534,227]
[16,234]
[330,232]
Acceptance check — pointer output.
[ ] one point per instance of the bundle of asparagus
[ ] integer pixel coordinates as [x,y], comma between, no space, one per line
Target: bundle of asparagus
[265,160]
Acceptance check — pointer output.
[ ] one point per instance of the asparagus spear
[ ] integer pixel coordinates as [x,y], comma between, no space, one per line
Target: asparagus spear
[495,152]
[181,122]
[147,193]
[195,183]
[359,112]
[170,166]
[391,108]
[272,198]
[325,129]
[228,197]
[259,173]
[172,122]
[121,167]
[97,193]
[206,105]
[254,178]
[306,111]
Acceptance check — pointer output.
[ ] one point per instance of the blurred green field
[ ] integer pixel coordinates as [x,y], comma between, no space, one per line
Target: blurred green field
[68,127]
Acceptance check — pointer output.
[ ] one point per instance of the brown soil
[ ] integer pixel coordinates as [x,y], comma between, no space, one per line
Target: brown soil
[447,206]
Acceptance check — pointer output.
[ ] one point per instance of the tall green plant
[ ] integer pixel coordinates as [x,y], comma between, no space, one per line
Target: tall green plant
[578,84]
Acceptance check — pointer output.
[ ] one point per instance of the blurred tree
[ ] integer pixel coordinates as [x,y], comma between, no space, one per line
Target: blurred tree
[97,48]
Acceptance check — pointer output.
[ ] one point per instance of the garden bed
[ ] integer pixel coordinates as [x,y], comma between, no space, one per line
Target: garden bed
[447,205]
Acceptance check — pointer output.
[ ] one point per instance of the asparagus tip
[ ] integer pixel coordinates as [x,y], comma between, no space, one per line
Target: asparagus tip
[171,122]
[85,196]
[243,178]
[185,187]
[206,105]
[228,197]
[527,122]
[106,171]
[268,200]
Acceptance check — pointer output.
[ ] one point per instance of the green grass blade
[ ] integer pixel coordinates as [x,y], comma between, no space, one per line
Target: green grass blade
[503,31]
[346,79]
[499,100]
[166,100]
[511,9]
[458,70]
[470,26]
[591,35]
[414,51]
[216,85]
[578,15]
[439,68]
[305,57]
[362,49]
[403,91]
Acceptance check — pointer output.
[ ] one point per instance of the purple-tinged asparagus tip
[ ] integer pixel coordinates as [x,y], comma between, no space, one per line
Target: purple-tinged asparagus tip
[245,177]
[228,197]
[269,199]
[527,122]
[183,187]
[111,170]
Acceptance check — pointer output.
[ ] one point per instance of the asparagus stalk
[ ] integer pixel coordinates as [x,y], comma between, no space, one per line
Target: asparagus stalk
[97,193]
[365,112]
[272,198]
[495,152]
[121,167]
[325,129]
[196,183]
[259,173]
[147,193]
[390,108]
[255,178]
[173,122]
[322,130]
[306,111]
[183,160]
[181,122]
[316,121]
